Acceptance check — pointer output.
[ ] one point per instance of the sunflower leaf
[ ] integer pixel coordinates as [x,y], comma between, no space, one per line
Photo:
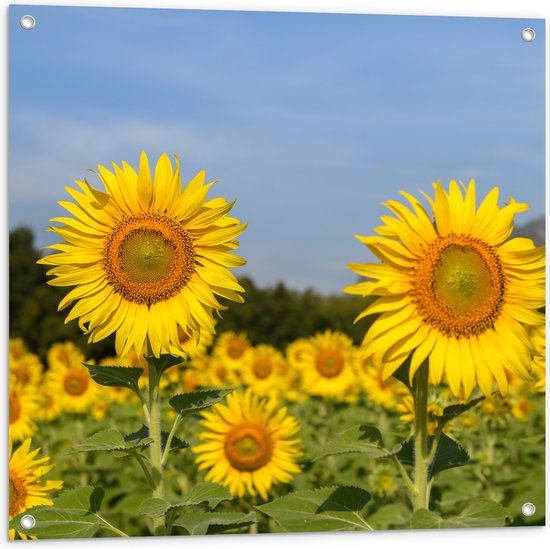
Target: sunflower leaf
[143,433]
[57,524]
[164,362]
[331,508]
[209,493]
[116,376]
[479,512]
[153,507]
[450,412]
[197,523]
[109,440]
[448,454]
[363,439]
[192,403]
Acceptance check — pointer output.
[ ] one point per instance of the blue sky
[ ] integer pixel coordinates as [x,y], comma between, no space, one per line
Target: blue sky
[310,120]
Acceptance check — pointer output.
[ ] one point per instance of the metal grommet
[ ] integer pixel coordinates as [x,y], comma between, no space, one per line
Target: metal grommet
[28,22]
[528,34]
[27,522]
[528,509]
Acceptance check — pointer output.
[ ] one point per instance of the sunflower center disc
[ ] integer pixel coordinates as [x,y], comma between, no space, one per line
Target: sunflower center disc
[149,258]
[248,447]
[15,408]
[18,494]
[262,368]
[459,285]
[329,363]
[235,349]
[75,383]
[23,374]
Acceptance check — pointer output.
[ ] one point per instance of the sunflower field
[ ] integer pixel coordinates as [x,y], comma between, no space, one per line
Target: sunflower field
[434,417]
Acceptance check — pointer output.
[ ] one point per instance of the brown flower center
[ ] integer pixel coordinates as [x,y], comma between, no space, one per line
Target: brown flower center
[236,349]
[149,258]
[15,408]
[248,447]
[75,383]
[262,367]
[329,362]
[459,285]
[18,495]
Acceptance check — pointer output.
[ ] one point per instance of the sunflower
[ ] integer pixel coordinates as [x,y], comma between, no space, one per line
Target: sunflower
[27,488]
[453,290]
[231,347]
[405,407]
[72,385]
[263,369]
[24,366]
[384,392]
[49,408]
[24,402]
[249,444]
[326,365]
[213,371]
[145,257]
[538,336]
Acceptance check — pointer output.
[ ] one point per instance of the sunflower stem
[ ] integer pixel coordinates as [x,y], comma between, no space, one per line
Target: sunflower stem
[421,457]
[169,441]
[156,446]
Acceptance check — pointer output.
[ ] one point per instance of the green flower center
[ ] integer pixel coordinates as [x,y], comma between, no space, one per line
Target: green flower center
[459,285]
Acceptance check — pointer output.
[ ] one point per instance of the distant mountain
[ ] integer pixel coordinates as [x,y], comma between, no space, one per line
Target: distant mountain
[534,230]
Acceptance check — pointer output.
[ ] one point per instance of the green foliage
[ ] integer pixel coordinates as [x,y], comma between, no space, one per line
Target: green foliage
[163,362]
[333,508]
[110,440]
[448,454]
[116,376]
[192,403]
[363,439]
[476,513]
[200,524]
[73,515]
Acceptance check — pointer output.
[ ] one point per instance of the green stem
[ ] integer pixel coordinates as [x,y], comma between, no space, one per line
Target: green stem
[169,441]
[421,437]
[145,469]
[156,445]
[109,526]
[405,476]
[170,521]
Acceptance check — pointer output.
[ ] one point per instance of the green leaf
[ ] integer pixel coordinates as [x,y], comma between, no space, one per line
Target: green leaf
[209,493]
[116,376]
[450,412]
[109,440]
[363,439]
[154,507]
[392,515]
[143,433]
[331,508]
[477,513]
[449,454]
[53,523]
[164,362]
[83,500]
[402,373]
[72,515]
[199,524]
[191,403]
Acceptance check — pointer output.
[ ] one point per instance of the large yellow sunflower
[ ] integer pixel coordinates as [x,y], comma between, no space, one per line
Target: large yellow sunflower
[231,347]
[326,366]
[453,290]
[145,256]
[27,488]
[249,444]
